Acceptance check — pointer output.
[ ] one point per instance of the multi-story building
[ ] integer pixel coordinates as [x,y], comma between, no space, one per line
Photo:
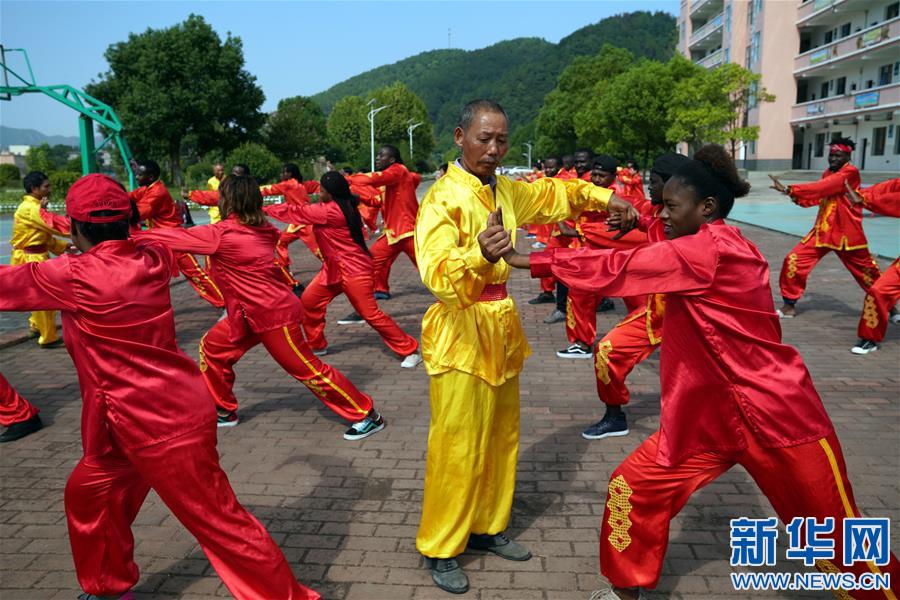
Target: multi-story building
[833,65]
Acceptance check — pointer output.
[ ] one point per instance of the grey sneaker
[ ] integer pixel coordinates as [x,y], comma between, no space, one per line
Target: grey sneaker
[448,575]
[500,545]
[557,316]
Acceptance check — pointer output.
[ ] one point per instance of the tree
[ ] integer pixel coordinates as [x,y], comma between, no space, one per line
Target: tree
[712,105]
[348,130]
[296,131]
[555,126]
[404,108]
[166,84]
[628,116]
[38,159]
[264,166]
[9,174]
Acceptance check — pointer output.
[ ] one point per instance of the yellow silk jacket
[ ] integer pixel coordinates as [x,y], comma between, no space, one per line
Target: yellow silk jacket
[30,229]
[213,184]
[460,333]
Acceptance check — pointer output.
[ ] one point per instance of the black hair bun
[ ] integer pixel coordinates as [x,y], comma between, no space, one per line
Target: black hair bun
[717,159]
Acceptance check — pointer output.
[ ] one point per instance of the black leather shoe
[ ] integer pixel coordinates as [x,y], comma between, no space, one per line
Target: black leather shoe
[606,305]
[448,575]
[17,431]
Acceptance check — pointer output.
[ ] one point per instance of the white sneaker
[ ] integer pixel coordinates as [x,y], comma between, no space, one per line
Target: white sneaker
[864,347]
[895,318]
[321,352]
[607,593]
[411,361]
[539,245]
[781,315]
[223,316]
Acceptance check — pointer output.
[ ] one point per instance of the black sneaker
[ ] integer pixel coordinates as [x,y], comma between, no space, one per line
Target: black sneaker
[606,305]
[382,295]
[864,347]
[17,431]
[543,298]
[373,423]
[607,427]
[54,344]
[448,575]
[576,350]
[351,319]
[227,420]
[298,289]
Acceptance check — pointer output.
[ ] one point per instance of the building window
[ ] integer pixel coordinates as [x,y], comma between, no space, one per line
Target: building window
[841,86]
[829,37]
[824,93]
[728,20]
[754,50]
[845,30]
[885,74]
[896,143]
[891,11]
[727,54]
[880,134]
[820,144]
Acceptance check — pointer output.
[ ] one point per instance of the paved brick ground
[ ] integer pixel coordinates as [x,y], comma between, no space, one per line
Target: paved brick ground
[346,514]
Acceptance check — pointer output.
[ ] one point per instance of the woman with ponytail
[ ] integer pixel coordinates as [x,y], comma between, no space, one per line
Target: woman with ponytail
[732,393]
[346,267]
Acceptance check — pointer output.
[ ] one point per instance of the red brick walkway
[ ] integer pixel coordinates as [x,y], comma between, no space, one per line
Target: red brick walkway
[346,513]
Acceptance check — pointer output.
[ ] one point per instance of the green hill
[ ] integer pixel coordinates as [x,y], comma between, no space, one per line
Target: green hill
[518,73]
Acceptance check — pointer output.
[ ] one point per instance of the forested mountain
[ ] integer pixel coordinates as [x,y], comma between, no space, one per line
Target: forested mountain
[518,73]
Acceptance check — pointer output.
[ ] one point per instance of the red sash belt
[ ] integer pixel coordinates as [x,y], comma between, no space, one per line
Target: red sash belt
[39,249]
[493,292]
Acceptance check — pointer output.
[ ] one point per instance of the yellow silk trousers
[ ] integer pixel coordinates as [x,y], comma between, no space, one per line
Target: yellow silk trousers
[470,473]
[41,321]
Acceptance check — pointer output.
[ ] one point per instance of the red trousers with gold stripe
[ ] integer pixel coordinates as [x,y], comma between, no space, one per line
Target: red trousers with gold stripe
[104,494]
[809,480]
[13,407]
[581,314]
[219,353]
[360,292]
[291,235]
[200,279]
[800,262]
[620,350]
[384,255]
[880,299]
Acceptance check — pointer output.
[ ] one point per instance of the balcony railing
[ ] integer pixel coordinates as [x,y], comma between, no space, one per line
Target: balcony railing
[814,8]
[712,60]
[883,97]
[700,5]
[714,24]
[859,42]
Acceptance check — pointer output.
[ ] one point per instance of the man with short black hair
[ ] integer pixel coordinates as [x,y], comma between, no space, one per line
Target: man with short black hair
[472,340]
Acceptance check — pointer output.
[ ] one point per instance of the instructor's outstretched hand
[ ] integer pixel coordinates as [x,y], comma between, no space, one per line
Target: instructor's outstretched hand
[623,217]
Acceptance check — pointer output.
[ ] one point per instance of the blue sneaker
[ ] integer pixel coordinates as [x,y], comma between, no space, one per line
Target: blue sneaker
[373,423]
[607,427]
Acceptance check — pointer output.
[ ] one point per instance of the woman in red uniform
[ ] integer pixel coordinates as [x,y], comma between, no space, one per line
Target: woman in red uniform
[732,393]
[261,308]
[146,423]
[346,267]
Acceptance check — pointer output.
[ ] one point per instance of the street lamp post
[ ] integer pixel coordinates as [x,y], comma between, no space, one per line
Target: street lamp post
[528,145]
[372,113]
[409,130]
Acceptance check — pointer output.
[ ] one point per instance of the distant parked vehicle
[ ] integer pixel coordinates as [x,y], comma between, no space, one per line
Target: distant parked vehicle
[520,171]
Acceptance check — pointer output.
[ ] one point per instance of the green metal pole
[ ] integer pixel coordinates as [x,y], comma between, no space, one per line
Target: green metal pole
[88,152]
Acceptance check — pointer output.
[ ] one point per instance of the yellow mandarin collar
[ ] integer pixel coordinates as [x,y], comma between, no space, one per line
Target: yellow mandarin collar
[30,197]
[482,191]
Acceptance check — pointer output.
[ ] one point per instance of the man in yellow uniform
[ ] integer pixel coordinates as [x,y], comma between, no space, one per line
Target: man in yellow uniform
[212,184]
[472,341]
[33,238]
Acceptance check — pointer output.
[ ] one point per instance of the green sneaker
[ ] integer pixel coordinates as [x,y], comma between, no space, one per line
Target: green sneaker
[500,545]
[373,423]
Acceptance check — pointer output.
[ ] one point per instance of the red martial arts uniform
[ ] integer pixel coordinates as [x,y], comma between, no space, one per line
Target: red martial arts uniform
[636,336]
[838,228]
[883,198]
[147,422]
[399,209]
[158,210]
[732,393]
[632,183]
[261,308]
[346,268]
[294,192]
[13,407]
[581,308]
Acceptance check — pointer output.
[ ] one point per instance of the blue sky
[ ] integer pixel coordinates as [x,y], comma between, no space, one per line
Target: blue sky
[293,48]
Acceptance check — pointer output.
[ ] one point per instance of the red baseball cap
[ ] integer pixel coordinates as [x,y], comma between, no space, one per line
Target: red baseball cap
[97,192]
